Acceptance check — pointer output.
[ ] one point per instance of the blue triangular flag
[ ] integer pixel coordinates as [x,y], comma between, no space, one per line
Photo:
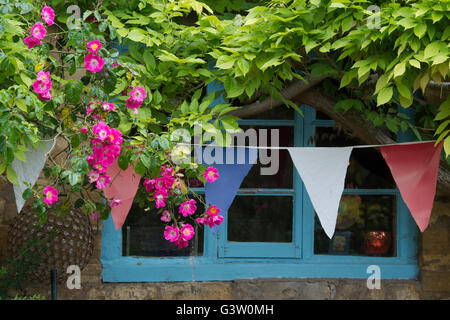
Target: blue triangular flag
[233,164]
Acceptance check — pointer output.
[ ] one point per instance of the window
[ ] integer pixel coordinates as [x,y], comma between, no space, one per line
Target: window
[271,229]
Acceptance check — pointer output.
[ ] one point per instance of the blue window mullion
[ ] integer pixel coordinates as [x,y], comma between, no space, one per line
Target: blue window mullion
[306,133]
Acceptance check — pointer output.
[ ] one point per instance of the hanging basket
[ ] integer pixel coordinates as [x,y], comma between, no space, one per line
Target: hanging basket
[63,241]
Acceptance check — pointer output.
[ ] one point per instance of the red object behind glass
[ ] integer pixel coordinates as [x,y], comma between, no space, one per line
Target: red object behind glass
[377,242]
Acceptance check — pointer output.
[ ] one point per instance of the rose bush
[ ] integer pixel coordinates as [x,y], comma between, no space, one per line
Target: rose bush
[108,116]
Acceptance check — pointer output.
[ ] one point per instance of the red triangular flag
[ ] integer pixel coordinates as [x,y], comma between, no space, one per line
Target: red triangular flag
[123,186]
[414,168]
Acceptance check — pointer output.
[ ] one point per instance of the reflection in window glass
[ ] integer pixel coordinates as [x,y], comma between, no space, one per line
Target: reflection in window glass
[143,235]
[365,227]
[260,219]
[367,168]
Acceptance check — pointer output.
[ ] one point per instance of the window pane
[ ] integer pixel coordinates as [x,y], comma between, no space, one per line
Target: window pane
[365,227]
[367,169]
[277,170]
[260,219]
[143,235]
[322,116]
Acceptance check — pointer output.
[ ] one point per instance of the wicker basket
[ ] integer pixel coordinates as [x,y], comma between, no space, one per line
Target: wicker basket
[66,241]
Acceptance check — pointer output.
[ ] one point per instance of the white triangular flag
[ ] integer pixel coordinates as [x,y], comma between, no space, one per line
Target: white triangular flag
[30,170]
[323,173]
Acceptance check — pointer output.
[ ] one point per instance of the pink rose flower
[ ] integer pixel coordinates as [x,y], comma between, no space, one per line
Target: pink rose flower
[149,185]
[38,31]
[41,87]
[180,243]
[101,130]
[84,130]
[50,195]
[94,216]
[102,181]
[94,46]
[217,220]
[45,96]
[211,174]
[187,232]
[48,15]
[213,211]
[115,203]
[43,76]
[166,216]
[133,104]
[188,208]
[93,176]
[201,220]
[31,42]
[108,106]
[138,94]
[93,63]
[160,198]
[115,137]
[171,234]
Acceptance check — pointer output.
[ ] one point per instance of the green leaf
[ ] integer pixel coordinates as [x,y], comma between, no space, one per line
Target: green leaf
[149,60]
[404,90]
[123,162]
[11,175]
[447,146]
[384,95]
[414,63]
[20,155]
[392,125]
[347,78]
[164,143]
[399,69]
[75,141]
[420,30]
[73,91]
[442,127]
[137,35]
[225,62]
[27,194]
[110,82]
[21,104]
[139,168]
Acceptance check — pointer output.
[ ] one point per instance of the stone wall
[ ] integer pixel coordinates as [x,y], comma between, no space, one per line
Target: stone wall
[433,281]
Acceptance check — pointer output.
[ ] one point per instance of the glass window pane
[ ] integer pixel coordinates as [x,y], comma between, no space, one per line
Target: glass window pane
[365,226]
[322,116]
[367,168]
[274,168]
[260,219]
[143,235]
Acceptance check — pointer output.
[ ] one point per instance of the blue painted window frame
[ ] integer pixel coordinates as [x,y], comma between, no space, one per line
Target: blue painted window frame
[214,265]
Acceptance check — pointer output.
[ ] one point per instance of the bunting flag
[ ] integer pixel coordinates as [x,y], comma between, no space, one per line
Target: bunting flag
[323,172]
[233,165]
[30,170]
[123,186]
[414,168]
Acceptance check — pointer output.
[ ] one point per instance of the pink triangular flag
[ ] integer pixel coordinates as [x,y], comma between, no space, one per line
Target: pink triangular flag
[123,186]
[415,168]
